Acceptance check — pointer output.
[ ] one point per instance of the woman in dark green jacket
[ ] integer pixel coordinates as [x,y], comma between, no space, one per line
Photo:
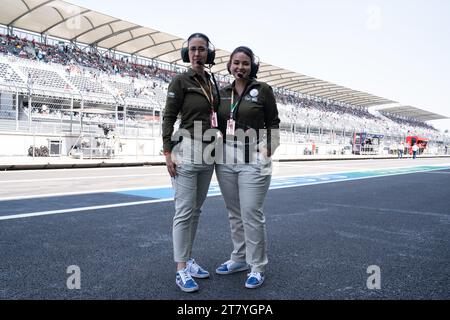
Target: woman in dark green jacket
[190,96]
[248,120]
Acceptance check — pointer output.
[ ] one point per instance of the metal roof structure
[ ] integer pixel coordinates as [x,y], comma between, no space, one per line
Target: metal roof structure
[412,112]
[61,19]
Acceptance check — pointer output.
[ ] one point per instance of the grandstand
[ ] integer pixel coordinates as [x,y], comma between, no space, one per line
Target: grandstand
[63,86]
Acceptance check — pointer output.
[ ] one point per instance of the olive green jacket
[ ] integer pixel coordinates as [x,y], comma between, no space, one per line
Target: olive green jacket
[186,98]
[257,110]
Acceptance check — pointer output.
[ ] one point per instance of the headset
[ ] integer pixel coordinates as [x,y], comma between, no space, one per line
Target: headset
[211,51]
[254,60]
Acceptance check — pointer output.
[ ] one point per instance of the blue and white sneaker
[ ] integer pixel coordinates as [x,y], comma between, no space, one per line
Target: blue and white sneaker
[254,280]
[185,281]
[230,267]
[195,270]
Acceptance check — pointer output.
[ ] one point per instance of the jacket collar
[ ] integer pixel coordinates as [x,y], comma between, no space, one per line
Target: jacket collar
[252,83]
[191,73]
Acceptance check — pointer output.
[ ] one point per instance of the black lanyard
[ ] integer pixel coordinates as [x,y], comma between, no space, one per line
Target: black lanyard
[235,106]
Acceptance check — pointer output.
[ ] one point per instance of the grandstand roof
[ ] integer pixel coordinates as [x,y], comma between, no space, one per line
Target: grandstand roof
[412,112]
[74,23]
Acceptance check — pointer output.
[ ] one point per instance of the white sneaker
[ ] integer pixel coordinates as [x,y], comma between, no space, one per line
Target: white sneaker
[195,270]
[185,281]
[230,267]
[254,280]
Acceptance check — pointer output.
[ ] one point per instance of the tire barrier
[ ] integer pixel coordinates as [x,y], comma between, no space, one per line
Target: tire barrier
[42,151]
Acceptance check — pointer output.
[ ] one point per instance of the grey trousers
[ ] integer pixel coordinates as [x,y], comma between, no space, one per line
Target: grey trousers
[191,188]
[244,188]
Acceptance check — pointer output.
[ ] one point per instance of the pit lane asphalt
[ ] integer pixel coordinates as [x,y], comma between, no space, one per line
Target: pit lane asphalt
[322,239]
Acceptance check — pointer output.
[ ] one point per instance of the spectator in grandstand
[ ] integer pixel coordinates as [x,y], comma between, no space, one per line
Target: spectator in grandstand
[190,95]
[246,106]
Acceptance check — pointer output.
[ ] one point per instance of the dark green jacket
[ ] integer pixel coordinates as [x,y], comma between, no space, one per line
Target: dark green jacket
[185,97]
[257,110]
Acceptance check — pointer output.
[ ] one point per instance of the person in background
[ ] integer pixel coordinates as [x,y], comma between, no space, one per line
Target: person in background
[415,148]
[400,149]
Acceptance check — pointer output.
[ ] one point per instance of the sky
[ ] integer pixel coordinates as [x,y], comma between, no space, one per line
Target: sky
[395,49]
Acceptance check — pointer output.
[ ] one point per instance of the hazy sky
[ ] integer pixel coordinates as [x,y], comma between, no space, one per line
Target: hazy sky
[396,49]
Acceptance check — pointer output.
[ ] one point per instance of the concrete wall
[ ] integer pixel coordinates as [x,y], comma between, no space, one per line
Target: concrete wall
[14,144]
[300,148]
[17,144]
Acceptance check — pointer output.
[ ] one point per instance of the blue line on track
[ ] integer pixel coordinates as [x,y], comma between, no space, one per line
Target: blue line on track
[167,192]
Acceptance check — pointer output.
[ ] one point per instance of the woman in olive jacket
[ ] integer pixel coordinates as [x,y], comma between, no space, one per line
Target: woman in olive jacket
[192,98]
[248,120]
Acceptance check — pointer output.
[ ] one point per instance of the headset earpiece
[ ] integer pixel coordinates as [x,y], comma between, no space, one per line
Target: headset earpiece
[254,69]
[185,54]
[254,66]
[211,56]
[185,49]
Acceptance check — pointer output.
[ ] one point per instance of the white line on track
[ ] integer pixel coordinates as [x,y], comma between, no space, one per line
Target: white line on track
[126,204]
[48,195]
[62,194]
[46,213]
[82,178]
[440,172]
[149,167]
[388,210]
[352,179]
